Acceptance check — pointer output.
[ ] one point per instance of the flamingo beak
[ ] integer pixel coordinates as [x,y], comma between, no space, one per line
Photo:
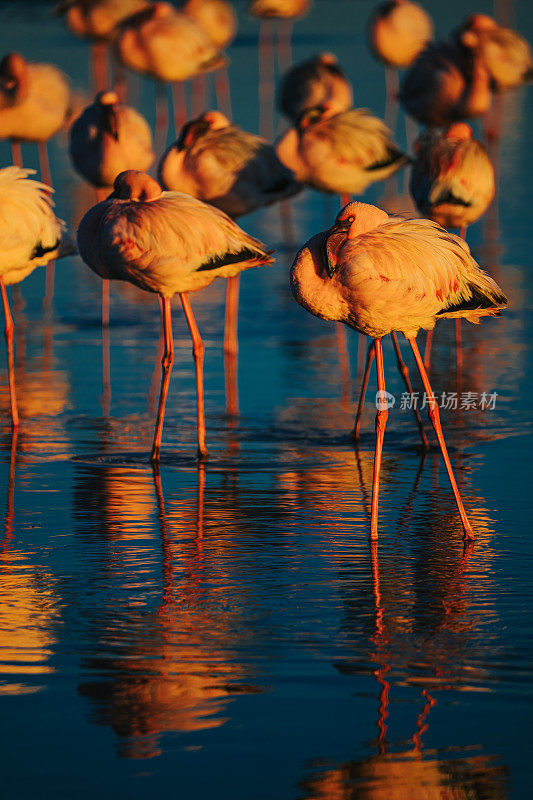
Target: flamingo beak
[332,243]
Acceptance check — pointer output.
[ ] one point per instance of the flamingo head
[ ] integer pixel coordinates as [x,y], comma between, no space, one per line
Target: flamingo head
[217,121]
[192,131]
[459,130]
[310,117]
[136,186]
[14,76]
[352,221]
[107,101]
[473,27]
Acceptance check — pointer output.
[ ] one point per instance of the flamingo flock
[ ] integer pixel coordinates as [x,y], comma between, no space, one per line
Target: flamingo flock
[375,272]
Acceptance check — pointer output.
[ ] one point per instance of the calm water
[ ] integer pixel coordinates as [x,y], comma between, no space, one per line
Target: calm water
[226,631]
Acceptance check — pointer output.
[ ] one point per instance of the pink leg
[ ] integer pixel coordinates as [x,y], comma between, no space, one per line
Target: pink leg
[100,77]
[16,153]
[10,506]
[369,358]
[198,353]
[345,198]
[266,80]
[223,92]
[344,359]
[381,421]
[167,361]
[404,372]
[284,44]
[179,102]
[9,329]
[198,96]
[427,351]
[231,345]
[44,166]
[391,99]
[435,420]
[161,117]
[458,341]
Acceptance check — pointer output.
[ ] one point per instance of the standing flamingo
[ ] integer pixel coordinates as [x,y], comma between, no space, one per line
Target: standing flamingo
[398,31]
[30,236]
[452,183]
[167,45]
[109,138]
[319,81]
[340,153]
[96,20]
[166,242]
[454,80]
[378,275]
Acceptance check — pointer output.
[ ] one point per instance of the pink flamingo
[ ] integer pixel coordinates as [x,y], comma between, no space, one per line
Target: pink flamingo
[380,274]
[96,20]
[398,31]
[233,170]
[30,237]
[451,81]
[452,183]
[319,81]
[340,153]
[166,242]
[167,45]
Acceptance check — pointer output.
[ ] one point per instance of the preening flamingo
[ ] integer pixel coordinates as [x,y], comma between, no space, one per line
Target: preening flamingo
[451,81]
[221,164]
[398,31]
[30,236]
[96,20]
[34,104]
[109,138]
[319,81]
[452,183]
[380,274]
[167,243]
[452,179]
[340,153]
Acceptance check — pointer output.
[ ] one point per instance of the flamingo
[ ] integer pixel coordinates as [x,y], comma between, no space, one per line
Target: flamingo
[233,170]
[108,138]
[452,81]
[315,82]
[452,183]
[96,20]
[340,153]
[217,18]
[30,237]
[380,274]
[398,31]
[221,164]
[166,45]
[34,104]
[166,242]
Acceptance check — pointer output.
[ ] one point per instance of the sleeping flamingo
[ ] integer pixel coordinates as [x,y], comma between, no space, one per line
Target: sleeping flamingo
[108,138]
[452,183]
[96,20]
[166,45]
[216,17]
[380,274]
[30,236]
[319,81]
[452,81]
[340,153]
[166,242]
[34,105]
[233,170]
[398,31]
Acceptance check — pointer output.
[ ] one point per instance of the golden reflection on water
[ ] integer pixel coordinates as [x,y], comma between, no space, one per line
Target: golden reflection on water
[175,668]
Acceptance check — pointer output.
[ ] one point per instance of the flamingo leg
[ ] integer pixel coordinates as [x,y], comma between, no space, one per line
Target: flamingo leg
[345,198]
[369,358]
[9,331]
[166,362]
[198,95]
[427,351]
[179,101]
[404,372]
[231,317]
[223,92]
[161,117]
[106,357]
[435,420]
[266,79]
[99,66]
[458,338]
[44,167]
[16,153]
[284,48]
[198,353]
[381,421]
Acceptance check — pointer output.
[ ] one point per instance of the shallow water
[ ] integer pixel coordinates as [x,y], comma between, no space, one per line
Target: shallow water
[225,629]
